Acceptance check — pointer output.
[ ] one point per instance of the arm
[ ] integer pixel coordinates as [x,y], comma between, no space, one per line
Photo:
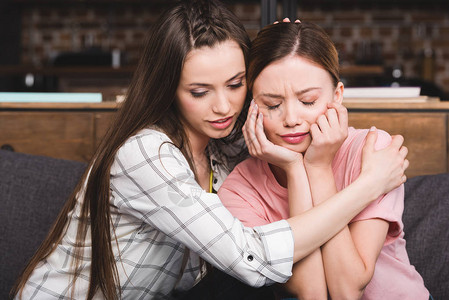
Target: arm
[308,279]
[350,256]
[152,182]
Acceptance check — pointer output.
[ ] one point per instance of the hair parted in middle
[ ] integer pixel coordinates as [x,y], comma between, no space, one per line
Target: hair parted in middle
[280,40]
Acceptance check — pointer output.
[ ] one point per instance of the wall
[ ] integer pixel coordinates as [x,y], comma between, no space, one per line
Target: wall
[415,37]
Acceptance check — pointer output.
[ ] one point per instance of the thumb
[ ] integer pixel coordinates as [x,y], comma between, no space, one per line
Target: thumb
[370,140]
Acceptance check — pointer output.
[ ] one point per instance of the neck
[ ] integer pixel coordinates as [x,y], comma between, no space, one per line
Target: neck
[197,142]
[279,175]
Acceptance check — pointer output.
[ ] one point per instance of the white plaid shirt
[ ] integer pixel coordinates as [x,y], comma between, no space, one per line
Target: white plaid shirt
[158,210]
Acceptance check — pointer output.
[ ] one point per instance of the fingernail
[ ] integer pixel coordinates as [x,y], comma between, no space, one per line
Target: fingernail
[252,101]
[373,128]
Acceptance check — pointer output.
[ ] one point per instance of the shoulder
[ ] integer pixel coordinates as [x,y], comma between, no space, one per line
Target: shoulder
[148,145]
[249,167]
[147,140]
[243,174]
[356,139]
[348,159]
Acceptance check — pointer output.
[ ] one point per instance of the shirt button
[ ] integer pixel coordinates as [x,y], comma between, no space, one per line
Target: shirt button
[250,258]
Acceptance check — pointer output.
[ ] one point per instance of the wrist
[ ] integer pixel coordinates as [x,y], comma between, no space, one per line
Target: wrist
[318,166]
[292,168]
[369,188]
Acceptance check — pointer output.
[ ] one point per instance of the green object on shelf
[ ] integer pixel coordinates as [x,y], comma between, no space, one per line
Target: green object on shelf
[50,97]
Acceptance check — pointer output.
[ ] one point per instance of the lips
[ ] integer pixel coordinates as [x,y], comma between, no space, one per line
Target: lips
[221,123]
[295,138]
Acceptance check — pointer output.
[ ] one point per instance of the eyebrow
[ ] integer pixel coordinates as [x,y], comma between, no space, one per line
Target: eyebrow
[230,79]
[297,93]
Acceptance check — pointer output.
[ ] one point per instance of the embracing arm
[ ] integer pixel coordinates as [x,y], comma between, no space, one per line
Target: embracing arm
[152,181]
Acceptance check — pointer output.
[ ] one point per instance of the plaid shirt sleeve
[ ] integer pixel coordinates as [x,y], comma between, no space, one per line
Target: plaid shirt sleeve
[152,181]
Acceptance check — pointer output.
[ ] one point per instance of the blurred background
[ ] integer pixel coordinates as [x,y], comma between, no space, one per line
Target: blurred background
[94,45]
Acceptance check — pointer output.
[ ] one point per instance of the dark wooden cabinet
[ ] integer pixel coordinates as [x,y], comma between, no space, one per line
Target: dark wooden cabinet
[74,130]
[68,131]
[423,125]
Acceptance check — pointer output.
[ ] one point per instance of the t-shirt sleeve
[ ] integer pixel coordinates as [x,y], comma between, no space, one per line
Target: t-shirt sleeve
[241,199]
[388,207]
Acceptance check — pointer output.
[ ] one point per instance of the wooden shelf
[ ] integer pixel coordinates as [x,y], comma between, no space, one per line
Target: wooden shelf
[356,70]
[56,71]
[405,106]
[106,105]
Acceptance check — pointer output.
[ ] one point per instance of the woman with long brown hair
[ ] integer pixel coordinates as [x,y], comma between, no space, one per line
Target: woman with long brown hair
[144,218]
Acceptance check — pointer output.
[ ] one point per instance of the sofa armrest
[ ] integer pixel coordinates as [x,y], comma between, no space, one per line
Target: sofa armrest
[426,227]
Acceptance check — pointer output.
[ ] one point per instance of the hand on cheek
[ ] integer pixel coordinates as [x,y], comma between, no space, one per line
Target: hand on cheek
[260,147]
[328,134]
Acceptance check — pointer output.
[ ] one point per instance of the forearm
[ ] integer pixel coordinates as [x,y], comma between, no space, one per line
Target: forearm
[308,280]
[309,230]
[346,272]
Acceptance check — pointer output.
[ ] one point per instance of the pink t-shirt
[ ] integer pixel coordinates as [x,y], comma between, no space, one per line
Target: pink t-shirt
[253,195]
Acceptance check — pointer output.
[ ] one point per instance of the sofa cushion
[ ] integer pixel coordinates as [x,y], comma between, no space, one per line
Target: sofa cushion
[426,227]
[33,190]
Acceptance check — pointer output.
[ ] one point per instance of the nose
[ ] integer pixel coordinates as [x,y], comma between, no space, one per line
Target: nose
[221,104]
[292,114]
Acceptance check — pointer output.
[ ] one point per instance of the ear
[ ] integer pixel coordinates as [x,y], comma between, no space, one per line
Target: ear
[338,95]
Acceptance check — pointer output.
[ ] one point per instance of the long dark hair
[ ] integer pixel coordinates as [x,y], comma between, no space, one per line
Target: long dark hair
[306,40]
[150,101]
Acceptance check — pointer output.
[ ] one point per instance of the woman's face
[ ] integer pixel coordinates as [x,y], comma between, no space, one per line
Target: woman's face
[212,90]
[291,94]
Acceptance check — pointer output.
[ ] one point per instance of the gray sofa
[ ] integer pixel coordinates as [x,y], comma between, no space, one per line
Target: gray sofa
[34,188]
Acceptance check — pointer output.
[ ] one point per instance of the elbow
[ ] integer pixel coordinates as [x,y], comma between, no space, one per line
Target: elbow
[351,289]
[252,281]
[348,294]
[312,295]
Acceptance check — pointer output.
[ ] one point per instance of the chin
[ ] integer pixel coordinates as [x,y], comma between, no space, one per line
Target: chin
[299,148]
[221,134]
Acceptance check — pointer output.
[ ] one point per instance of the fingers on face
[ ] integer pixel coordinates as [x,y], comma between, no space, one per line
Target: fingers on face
[314,130]
[342,113]
[259,132]
[287,20]
[332,117]
[249,127]
[323,123]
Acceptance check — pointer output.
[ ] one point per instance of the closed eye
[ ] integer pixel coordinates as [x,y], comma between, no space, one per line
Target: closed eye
[272,107]
[198,94]
[236,85]
[308,103]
